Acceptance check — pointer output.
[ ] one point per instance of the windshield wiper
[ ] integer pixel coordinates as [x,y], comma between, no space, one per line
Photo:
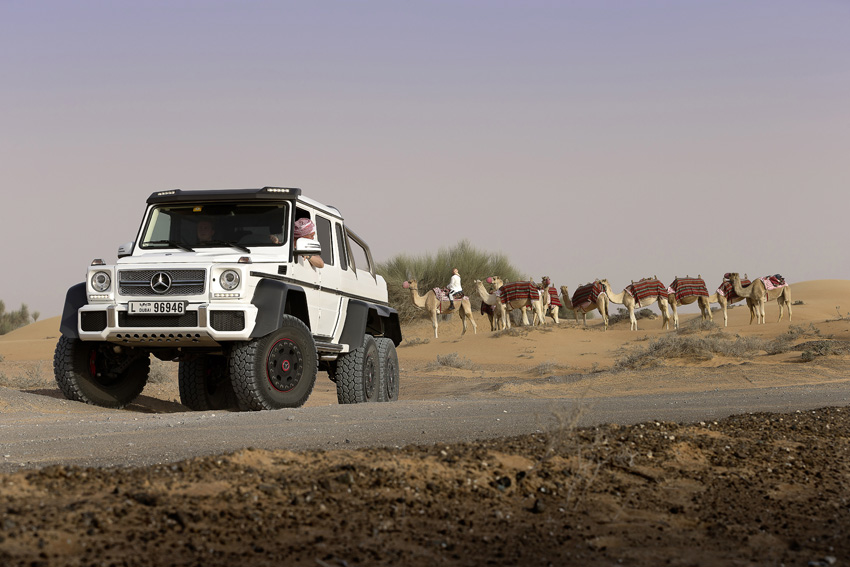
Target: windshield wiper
[226,243]
[173,244]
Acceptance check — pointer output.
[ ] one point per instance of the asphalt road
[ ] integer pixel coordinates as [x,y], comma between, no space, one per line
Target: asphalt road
[49,431]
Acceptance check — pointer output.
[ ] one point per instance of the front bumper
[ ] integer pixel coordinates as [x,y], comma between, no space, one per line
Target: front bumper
[202,324]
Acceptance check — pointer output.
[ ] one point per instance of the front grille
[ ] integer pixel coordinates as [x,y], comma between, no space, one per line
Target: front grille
[93,321]
[183,282]
[227,320]
[188,319]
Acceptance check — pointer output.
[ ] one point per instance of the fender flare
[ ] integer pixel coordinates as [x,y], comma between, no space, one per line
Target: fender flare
[362,317]
[274,299]
[74,299]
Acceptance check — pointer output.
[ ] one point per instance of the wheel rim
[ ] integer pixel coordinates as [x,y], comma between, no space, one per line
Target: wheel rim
[93,363]
[369,378]
[390,374]
[284,365]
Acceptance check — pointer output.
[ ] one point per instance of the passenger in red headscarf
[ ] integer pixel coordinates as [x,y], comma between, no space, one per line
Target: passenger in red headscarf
[305,229]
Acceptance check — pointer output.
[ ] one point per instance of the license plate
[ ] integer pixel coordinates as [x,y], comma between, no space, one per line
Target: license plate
[157,307]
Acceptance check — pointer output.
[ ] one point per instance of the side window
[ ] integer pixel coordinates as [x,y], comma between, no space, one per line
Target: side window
[324,235]
[340,244]
[359,256]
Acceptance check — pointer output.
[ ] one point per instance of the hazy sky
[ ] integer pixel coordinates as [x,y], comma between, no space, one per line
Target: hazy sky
[583,139]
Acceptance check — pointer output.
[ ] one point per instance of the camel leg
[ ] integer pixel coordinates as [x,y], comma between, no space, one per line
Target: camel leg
[784,299]
[632,319]
[705,308]
[524,316]
[466,313]
[675,315]
[434,322]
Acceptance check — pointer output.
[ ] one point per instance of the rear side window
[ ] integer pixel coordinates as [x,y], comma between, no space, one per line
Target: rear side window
[340,244]
[323,233]
[359,256]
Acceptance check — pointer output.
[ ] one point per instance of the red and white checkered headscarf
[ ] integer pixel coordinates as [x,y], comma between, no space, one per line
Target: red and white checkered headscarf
[304,227]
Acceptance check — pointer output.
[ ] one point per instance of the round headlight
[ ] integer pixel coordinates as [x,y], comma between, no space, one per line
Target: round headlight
[100,281]
[229,280]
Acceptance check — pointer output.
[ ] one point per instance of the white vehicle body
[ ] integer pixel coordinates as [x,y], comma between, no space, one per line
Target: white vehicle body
[173,294]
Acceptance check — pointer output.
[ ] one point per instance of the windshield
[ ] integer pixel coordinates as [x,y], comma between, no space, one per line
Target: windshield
[206,225]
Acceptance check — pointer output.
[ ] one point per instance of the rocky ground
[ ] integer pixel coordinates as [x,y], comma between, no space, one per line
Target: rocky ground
[759,489]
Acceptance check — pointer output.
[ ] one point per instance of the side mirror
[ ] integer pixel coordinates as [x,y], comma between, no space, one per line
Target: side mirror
[308,247]
[125,249]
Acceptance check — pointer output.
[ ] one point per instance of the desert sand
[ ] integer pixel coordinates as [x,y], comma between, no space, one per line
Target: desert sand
[753,489]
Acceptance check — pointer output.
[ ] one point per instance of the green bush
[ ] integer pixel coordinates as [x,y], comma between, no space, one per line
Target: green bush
[11,320]
[435,270]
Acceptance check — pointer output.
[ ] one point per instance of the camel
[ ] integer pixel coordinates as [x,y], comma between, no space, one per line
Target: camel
[725,296]
[520,303]
[551,303]
[498,317]
[684,299]
[431,305]
[601,305]
[784,297]
[626,297]
[755,293]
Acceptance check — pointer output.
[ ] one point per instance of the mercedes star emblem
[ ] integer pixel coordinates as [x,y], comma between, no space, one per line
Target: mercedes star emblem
[160,282]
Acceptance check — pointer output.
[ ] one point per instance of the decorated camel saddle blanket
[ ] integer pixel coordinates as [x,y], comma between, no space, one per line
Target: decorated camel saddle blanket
[646,288]
[443,297]
[586,295]
[519,291]
[775,281]
[554,300]
[688,287]
[772,283]
[728,291]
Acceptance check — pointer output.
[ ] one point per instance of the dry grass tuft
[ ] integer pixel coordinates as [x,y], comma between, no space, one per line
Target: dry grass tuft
[414,342]
[452,360]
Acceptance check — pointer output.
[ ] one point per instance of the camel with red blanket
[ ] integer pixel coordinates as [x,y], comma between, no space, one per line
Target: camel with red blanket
[497,312]
[551,301]
[641,294]
[519,295]
[725,296]
[432,305]
[585,299]
[759,294]
[687,290]
[755,294]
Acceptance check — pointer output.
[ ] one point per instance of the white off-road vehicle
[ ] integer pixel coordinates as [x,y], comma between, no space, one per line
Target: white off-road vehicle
[217,281]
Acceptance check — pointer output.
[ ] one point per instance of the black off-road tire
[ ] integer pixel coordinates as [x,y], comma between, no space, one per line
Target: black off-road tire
[204,382]
[358,374]
[275,371]
[92,372]
[388,359]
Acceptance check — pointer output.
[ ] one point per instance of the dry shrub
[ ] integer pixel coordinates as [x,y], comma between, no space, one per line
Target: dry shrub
[693,348]
[622,314]
[520,331]
[452,360]
[161,372]
[414,342]
[547,368]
